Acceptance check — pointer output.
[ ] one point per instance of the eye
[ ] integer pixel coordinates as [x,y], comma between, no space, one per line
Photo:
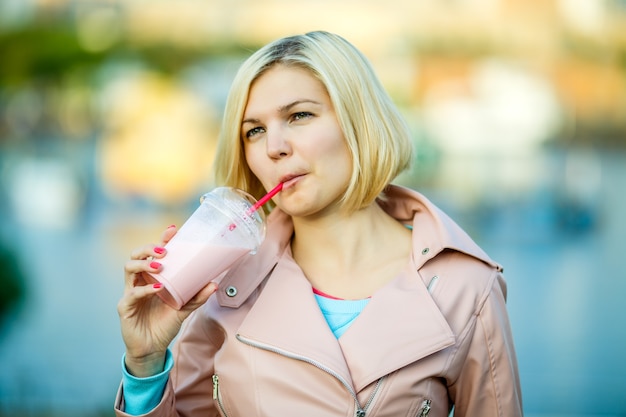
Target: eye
[301,115]
[254,131]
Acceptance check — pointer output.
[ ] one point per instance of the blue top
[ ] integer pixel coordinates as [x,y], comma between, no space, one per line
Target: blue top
[340,314]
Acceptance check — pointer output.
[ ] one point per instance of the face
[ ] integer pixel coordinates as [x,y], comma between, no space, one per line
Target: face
[291,135]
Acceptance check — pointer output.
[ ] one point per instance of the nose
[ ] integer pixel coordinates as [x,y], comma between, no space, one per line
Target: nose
[278,145]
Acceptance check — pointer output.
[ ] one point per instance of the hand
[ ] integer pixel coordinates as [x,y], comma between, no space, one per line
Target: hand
[148,324]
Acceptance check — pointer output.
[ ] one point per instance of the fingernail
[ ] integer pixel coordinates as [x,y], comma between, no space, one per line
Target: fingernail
[157,285]
[155,265]
[171,225]
[159,250]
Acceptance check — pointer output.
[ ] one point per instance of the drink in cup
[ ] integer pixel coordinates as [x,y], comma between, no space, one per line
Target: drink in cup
[224,228]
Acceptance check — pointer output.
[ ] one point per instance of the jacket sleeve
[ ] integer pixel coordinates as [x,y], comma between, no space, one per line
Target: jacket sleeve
[165,408]
[188,392]
[488,383]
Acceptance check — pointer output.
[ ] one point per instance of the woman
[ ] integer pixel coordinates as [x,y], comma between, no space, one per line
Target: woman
[364,300]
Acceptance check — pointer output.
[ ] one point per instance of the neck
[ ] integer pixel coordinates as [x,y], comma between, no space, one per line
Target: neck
[336,234]
[337,251]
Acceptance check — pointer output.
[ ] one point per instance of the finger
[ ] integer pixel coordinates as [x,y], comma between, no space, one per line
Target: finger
[134,270]
[147,252]
[134,296]
[168,234]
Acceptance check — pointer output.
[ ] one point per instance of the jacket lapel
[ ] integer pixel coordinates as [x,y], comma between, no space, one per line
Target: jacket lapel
[285,317]
[400,325]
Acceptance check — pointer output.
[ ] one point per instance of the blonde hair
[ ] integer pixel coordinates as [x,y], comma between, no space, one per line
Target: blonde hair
[377,136]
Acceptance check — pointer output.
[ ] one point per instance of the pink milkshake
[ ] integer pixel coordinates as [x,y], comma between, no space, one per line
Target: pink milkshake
[189,262]
[225,227]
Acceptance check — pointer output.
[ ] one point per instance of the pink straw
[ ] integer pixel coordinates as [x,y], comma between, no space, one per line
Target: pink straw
[265,198]
[259,203]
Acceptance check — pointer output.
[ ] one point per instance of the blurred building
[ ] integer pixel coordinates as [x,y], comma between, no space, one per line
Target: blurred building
[120,81]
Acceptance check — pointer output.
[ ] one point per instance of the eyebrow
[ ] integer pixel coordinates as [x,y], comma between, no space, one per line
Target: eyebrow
[284,109]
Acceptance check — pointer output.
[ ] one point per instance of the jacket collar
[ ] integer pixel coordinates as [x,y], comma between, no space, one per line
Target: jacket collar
[401,318]
[433,231]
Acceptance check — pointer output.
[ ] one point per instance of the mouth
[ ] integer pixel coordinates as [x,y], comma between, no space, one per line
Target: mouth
[290,180]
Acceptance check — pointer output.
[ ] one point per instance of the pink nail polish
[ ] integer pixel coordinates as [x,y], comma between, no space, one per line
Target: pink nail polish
[155,265]
[157,285]
[171,225]
[159,250]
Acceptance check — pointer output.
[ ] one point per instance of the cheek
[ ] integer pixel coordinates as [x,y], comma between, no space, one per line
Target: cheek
[251,157]
[257,160]
[330,142]
[339,150]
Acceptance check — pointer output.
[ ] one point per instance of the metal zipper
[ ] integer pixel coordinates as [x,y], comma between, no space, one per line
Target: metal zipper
[368,403]
[360,411]
[216,394]
[425,409]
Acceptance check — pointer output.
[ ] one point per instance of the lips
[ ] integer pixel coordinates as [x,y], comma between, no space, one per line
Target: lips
[290,180]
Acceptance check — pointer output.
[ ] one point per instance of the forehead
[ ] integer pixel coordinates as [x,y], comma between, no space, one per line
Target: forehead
[282,84]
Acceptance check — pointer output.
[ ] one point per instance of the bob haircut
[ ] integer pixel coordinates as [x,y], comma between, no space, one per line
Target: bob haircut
[377,136]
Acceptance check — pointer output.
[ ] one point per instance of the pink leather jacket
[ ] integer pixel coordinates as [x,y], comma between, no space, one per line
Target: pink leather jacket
[435,337]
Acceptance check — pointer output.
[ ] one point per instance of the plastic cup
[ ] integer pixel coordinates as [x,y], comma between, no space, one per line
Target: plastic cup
[223,229]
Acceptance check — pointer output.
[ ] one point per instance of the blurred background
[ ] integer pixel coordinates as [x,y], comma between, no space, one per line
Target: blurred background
[109,112]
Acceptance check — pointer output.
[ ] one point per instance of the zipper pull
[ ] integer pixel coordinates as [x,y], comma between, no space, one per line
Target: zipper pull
[360,413]
[432,283]
[425,409]
[215,386]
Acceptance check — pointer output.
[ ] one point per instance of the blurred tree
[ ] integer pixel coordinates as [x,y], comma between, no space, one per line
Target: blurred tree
[44,52]
[49,51]
[12,283]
